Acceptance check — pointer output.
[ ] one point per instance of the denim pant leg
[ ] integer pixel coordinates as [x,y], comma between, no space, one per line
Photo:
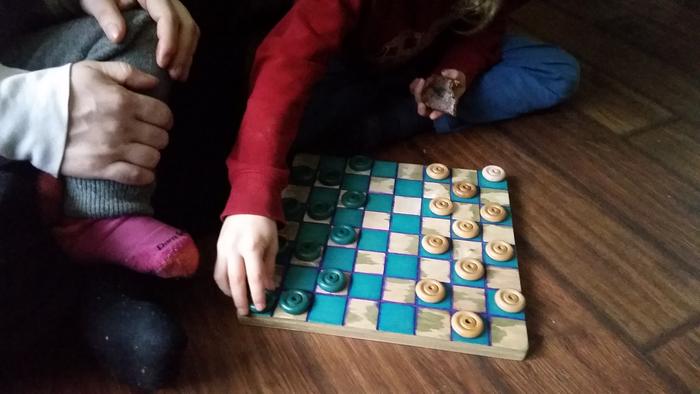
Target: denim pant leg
[532,75]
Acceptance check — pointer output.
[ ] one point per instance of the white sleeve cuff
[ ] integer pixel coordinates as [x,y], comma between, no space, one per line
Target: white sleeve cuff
[34,116]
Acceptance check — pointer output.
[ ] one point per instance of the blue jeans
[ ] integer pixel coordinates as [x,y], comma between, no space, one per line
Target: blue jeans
[351,110]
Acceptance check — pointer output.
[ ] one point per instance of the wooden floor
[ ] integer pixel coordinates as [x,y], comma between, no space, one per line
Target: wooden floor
[607,194]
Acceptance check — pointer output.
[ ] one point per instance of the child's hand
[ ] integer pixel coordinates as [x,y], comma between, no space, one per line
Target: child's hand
[419,84]
[247,248]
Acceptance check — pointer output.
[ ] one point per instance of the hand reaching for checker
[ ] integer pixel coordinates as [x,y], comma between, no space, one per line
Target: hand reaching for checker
[419,87]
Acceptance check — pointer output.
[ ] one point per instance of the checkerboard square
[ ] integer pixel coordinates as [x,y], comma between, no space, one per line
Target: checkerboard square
[401,266]
[495,196]
[483,182]
[362,314]
[463,175]
[508,221]
[495,310]
[341,292]
[482,339]
[384,168]
[468,298]
[381,185]
[512,263]
[410,171]
[323,195]
[379,202]
[305,159]
[433,323]
[289,231]
[366,286]
[403,243]
[433,190]
[429,179]
[466,212]
[512,334]
[407,205]
[299,193]
[376,220]
[427,213]
[435,269]
[445,304]
[435,226]
[396,318]
[351,246]
[327,309]
[399,290]
[492,232]
[348,216]
[369,262]
[374,240]
[356,182]
[457,280]
[332,163]
[409,224]
[313,232]
[444,256]
[408,188]
[300,278]
[466,249]
[502,278]
[339,258]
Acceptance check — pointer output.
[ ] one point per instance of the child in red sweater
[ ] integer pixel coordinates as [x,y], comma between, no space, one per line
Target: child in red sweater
[350,73]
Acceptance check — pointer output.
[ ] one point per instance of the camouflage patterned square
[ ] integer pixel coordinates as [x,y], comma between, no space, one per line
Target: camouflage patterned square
[502,278]
[299,193]
[508,333]
[435,226]
[433,323]
[407,205]
[466,249]
[369,262]
[376,220]
[362,314]
[403,243]
[464,211]
[492,232]
[463,175]
[410,171]
[435,269]
[495,196]
[434,190]
[399,290]
[381,185]
[468,299]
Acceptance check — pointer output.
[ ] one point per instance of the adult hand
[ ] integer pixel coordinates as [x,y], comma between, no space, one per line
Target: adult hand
[178,33]
[246,252]
[114,133]
[419,84]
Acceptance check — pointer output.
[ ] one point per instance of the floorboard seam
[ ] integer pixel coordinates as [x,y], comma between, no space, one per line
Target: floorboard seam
[667,336]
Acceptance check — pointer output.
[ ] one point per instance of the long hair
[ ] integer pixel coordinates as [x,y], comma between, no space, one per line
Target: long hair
[474,15]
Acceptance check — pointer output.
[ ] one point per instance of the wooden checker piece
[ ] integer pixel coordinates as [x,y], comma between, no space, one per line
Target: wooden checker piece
[364,262]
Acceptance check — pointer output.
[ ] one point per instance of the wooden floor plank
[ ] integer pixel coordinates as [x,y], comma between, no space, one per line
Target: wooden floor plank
[676,146]
[657,80]
[615,106]
[680,358]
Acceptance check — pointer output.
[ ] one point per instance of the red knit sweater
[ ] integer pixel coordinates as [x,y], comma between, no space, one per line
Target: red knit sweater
[384,33]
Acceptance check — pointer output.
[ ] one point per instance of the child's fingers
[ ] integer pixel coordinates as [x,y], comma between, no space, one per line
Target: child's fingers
[436,114]
[270,257]
[255,269]
[418,90]
[422,109]
[221,274]
[450,73]
[237,283]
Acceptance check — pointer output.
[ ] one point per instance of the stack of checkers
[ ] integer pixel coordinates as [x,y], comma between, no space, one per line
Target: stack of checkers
[403,253]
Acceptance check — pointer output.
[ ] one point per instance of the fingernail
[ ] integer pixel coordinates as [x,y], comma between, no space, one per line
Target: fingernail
[112,31]
[260,307]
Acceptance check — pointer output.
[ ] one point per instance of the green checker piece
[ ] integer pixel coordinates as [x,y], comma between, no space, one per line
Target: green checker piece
[308,251]
[295,301]
[321,210]
[360,163]
[354,199]
[293,209]
[303,175]
[332,280]
[330,177]
[343,235]
[269,302]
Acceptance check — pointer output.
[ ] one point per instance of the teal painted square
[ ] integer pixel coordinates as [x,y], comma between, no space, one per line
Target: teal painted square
[457,280]
[409,224]
[379,202]
[507,222]
[324,194]
[366,286]
[408,188]
[494,310]
[356,182]
[313,232]
[512,263]
[384,168]
[332,163]
[397,318]
[327,309]
[303,278]
[455,236]
[339,258]
[473,200]
[426,212]
[445,304]
[401,266]
[445,256]
[427,178]
[483,182]
[350,217]
[482,339]
[374,240]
